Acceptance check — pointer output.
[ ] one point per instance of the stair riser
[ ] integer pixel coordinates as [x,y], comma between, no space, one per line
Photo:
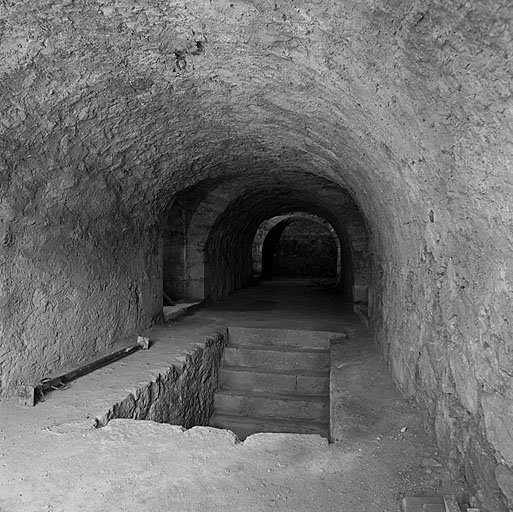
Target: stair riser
[252,381]
[275,360]
[433,508]
[280,337]
[423,504]
[244,430]
[271,407]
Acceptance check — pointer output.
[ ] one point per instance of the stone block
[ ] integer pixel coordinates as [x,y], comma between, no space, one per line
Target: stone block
[143,342]
[451,505]
[433,508]
[417,503]
[256,381]
[178,311]
[281,337]
[245,426]
[271,406]
[276,359]
[312,384]
[504,476]
[25,395]
[498,412]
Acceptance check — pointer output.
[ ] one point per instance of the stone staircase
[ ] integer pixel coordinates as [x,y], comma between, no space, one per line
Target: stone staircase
[274,380]
[445,503]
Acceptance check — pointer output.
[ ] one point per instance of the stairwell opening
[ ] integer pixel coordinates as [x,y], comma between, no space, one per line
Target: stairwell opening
[274,380]
[208,235]
[182,395]
[244,379]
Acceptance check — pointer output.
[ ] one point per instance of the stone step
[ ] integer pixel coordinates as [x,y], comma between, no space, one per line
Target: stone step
[300,382]
[273,357]
[445,503]
[282,337]
[433,508]
[451,505]
[245,426]
[287,406]
[417,503]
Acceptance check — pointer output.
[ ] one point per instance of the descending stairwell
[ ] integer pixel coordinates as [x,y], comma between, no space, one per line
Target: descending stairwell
[445,503]
[274,380]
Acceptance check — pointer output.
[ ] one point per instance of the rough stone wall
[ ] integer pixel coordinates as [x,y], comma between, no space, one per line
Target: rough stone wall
[108,109]
[228,256]
[174,239]
[456,366]
[182,396]
[68,294]
[442,295]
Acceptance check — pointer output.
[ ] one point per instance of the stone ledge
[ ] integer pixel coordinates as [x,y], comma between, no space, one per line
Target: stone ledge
[178,311]
[182,395]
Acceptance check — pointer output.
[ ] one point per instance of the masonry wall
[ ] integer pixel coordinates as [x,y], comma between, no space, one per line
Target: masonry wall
[442,319]
[71,293]
[228,264]
[109,109]
[174,257]
[184,395]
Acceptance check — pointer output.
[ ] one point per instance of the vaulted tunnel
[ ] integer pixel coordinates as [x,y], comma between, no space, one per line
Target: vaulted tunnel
[126,127]
[213,231]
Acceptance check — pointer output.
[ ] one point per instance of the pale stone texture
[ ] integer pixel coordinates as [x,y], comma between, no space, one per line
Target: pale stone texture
[108,109]
[505,480]
[180,396]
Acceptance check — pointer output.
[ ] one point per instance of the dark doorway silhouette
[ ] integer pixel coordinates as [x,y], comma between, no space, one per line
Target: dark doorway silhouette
[300,248]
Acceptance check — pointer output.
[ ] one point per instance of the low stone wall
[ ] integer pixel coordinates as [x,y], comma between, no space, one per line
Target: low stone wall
[348,412]
[180,396]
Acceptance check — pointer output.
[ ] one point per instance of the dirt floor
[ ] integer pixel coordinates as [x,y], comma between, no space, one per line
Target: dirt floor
[51,458]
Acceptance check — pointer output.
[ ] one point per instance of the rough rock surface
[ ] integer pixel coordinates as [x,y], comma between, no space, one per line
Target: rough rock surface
[183,395]
[51,457]
[109,108]
[141,465]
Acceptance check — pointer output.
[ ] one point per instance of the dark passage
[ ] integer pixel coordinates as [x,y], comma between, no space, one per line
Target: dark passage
[301,248]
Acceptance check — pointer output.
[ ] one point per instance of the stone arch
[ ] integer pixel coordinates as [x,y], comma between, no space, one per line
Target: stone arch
[282,221]
[198,212]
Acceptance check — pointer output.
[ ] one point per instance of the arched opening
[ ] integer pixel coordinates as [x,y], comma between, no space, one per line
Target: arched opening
[215,231]
[304,249]
[297,244]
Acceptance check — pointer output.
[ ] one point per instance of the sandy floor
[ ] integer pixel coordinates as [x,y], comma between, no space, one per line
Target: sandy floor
[51,459]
